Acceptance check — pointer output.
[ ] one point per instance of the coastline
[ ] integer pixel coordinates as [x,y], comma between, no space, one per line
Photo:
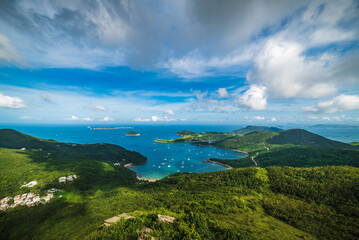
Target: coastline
[138,177]
[222,164]
[221,147]
[131,164]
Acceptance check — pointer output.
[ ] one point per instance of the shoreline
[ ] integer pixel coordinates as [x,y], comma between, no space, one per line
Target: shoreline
[202,145]
[219,163]
[132,164]
[137,176]
[236,150]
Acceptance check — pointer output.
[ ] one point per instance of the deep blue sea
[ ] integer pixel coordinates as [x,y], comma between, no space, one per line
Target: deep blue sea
[163,158]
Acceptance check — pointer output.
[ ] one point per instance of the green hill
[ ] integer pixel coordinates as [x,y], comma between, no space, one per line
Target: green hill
[299,156]
[249,203]
[304,137]
[132,133]
[250,129]
[185,132]
[245,203]
[67,152]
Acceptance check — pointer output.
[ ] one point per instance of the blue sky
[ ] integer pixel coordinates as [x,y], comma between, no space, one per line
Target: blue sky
[113,62]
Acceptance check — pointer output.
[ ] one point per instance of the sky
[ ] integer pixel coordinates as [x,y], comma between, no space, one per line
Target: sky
[187,61]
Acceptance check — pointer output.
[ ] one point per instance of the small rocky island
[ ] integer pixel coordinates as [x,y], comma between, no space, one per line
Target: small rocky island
[133,134]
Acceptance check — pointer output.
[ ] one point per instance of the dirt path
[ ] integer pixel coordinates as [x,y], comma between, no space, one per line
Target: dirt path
[254,161]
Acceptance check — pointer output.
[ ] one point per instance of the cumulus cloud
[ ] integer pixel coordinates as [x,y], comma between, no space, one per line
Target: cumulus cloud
[340,103]
[273,119]
[169,112]
[96,107]
[107,119]
[11,102]
[75,118]
[255,98]
[223,93]
[259,118]
[283,68]
[142,119]
[155,119]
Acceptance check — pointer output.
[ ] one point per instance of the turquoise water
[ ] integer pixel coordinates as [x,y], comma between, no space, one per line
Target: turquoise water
[163,158]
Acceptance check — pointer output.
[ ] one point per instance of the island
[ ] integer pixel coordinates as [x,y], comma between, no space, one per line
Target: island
[132,134]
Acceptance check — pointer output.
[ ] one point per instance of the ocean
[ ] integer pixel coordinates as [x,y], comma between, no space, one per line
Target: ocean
[163,158]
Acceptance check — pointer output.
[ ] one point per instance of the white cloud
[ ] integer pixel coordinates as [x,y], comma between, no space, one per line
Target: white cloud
[96,107]
[30,117]
[107,119]
[259,118]
[255,98]
[142,119]
[282,67]
[11,102]
[169,112]
[155,119]
[336,119]
[330,35]
[273,119]
[8,52]
[75,118]
[340,103]
[223,93]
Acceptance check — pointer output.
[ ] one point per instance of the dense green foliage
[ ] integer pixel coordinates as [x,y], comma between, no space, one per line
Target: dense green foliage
[244,203]
[132,133]
[304,156]
[250,129]
[59,153]
[303,137]
[298,156]
[201,138]
[185,132]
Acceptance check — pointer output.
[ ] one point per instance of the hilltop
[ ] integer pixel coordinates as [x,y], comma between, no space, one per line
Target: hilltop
[133,133]
[185,132]
[249,129]
[304,137]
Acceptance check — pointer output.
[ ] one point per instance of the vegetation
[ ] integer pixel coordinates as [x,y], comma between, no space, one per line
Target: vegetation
[250,129]
[56,153]
[242,203]
[299,156]
[185,132]
[303,137]
[201,138]
[132,133]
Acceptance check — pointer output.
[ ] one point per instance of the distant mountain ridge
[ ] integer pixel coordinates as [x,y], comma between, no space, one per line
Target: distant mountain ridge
[304,137]
[250,129]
